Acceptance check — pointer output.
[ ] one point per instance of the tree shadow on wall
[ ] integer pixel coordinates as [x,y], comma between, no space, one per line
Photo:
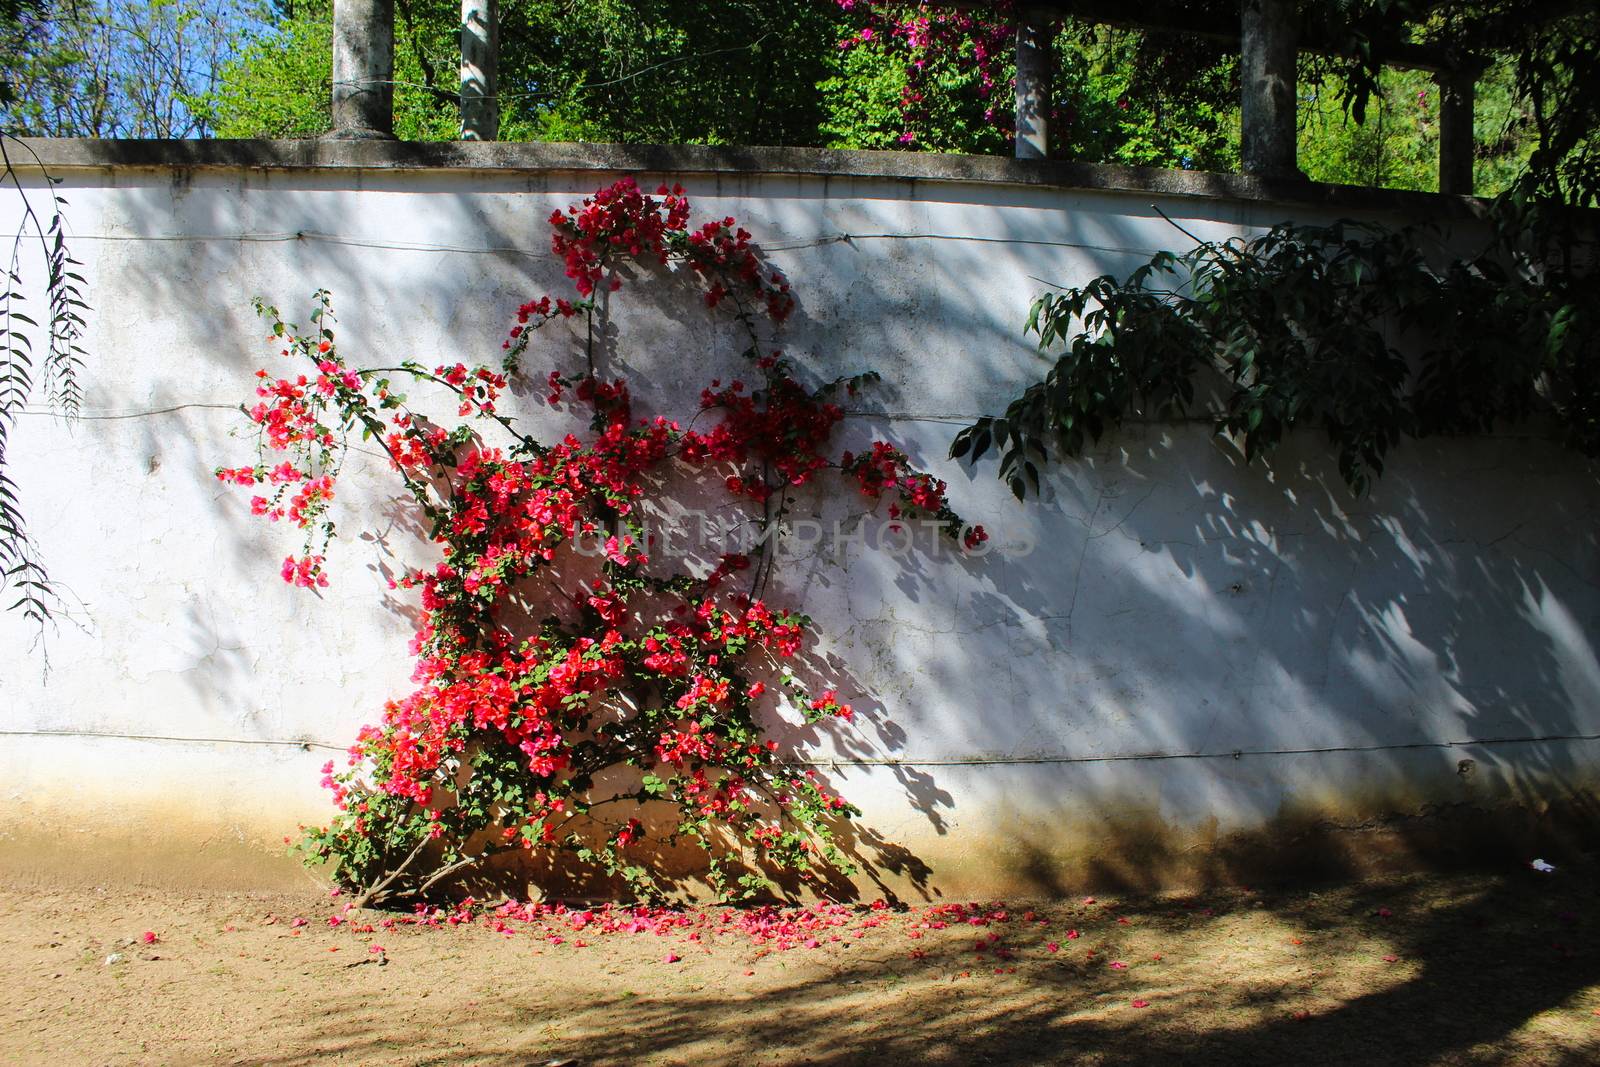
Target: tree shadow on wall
[1422,664]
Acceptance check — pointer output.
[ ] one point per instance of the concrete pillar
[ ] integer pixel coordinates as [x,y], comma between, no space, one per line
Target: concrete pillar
[1456,91]
[1267,31]
[480,63]
[363,69]
[1035,61]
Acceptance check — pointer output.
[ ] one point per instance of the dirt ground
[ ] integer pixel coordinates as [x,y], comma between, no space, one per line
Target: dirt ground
[1431,970]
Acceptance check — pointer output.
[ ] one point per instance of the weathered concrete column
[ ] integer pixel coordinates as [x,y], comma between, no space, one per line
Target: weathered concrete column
[1457,89]
[363,69]
[1035,63]
[480,65]
[1267,31]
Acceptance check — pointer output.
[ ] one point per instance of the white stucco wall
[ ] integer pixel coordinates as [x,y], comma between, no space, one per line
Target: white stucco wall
[1178,603]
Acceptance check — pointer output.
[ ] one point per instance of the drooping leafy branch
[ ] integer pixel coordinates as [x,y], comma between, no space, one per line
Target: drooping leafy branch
[1348,327]
[52,369]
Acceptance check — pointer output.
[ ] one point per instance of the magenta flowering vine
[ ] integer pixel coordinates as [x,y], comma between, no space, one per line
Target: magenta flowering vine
[606,704]
[926,35]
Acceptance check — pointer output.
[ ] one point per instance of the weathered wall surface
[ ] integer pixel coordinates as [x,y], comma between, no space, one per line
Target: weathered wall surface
[1200,670]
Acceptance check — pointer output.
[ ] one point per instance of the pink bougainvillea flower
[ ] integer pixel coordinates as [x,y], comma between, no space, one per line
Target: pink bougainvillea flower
[672,957]
[149,937]
[1118,965]
[1052,947]
[1140,1003]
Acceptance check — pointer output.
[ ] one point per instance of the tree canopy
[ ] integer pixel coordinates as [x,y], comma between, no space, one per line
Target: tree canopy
[840,74]
[118,68]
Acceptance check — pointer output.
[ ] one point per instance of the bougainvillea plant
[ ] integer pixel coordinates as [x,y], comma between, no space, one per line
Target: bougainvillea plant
[575,693]
[929,38]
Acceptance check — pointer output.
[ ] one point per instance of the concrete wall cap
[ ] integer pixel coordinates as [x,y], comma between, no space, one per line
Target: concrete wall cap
[65,154]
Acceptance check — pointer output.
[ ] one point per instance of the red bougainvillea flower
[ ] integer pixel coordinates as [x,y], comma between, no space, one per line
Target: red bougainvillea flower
[659,673]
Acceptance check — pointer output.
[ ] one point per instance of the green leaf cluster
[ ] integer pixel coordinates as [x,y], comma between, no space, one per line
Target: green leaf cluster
[646,71]
[1348,327]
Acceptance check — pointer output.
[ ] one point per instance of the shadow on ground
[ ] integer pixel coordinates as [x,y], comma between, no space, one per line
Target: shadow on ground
[1421,972]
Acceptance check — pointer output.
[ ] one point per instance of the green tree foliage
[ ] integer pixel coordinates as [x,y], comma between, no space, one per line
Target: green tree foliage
[868,90]
[1540,92]
[17,21]
[281,83]
[1120,97]
[118,68]
[737,72]
[649,71]
[1397,147]
[1146,99]
[741,71]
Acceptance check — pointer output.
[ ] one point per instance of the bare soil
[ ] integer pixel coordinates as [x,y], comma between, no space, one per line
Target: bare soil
[1430,970]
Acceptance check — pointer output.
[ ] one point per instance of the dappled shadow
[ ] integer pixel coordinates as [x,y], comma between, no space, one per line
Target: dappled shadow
[1493,972]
